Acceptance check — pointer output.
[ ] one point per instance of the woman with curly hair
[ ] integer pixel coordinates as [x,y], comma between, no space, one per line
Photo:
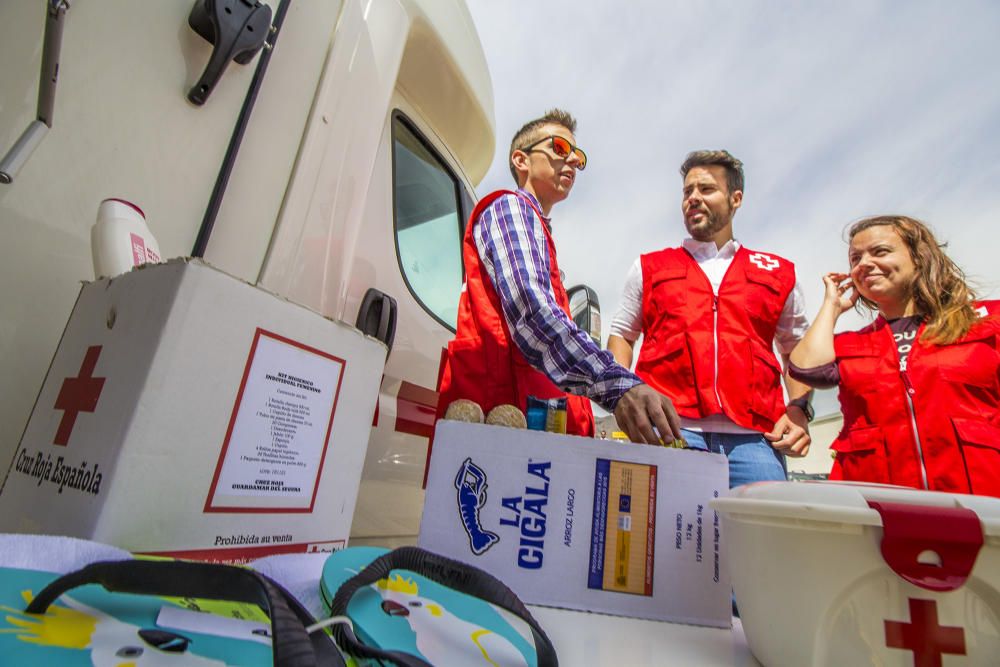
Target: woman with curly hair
[920,386]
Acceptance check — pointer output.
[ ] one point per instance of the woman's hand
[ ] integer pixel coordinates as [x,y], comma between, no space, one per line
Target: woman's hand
[816,347]
[840,291]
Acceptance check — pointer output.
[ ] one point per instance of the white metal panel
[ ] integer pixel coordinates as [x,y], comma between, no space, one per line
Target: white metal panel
[430,52]
[320,222]
[267,155]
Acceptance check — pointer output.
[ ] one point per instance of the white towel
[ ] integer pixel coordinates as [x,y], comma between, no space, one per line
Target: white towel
[300,574]
[51,553]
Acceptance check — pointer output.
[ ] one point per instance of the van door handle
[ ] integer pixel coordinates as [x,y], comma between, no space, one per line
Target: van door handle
[377,317]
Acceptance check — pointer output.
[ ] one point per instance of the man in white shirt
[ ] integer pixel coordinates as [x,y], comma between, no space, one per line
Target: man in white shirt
[710,313]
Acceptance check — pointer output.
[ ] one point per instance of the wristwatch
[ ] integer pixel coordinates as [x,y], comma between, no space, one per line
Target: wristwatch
[803,404]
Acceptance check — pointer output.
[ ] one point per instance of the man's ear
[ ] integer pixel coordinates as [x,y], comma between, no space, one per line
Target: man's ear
[736,199]
[520,161]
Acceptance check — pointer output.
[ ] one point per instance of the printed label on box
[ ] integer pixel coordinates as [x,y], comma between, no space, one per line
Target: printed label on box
[279,430]
[624,527]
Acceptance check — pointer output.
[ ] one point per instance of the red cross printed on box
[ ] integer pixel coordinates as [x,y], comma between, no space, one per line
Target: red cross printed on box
[78,395]
[924,636]
[765,262]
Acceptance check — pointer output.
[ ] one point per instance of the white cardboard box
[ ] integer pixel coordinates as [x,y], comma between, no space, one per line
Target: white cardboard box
[192,414]
[571,522]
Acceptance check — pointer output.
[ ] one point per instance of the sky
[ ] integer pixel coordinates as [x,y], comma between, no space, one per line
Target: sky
[838,110]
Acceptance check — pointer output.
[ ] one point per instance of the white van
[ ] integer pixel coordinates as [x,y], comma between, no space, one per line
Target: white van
[369,123]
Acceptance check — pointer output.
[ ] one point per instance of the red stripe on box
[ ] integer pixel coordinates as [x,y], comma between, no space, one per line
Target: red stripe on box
[246,554]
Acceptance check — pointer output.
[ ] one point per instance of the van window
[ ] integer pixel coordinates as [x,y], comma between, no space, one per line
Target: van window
[426,204]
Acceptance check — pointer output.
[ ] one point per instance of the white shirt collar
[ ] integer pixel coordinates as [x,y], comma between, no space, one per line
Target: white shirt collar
[704,250]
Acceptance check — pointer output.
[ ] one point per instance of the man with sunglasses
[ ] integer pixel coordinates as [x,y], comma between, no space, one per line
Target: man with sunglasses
[515,337]
[710,313]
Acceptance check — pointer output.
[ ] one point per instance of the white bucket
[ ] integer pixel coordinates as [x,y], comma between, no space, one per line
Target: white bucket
[810,565]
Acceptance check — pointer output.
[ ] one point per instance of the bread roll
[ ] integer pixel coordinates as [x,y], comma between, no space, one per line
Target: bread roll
[507,415]
[464,410]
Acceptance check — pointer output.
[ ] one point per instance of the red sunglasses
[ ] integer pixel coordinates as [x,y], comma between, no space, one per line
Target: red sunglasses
[563,149]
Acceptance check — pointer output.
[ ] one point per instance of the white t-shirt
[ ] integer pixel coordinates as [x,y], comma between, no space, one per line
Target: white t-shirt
[627,322]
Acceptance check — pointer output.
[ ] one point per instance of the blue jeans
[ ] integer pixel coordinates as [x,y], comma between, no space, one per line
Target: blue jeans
[751,457]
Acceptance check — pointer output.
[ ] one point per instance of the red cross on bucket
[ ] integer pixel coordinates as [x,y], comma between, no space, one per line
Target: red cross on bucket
[924,636]
[78,395]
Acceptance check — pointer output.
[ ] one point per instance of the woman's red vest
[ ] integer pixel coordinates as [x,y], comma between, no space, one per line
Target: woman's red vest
[482,364]
[713,354]
[937,426]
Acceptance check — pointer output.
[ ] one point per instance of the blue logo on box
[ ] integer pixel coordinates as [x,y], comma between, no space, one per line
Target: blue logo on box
[471,485]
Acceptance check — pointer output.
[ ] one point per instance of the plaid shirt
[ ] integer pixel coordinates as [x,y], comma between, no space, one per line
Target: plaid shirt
[512,247]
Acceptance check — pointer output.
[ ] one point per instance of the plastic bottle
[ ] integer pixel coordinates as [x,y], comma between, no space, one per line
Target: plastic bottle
[120,239]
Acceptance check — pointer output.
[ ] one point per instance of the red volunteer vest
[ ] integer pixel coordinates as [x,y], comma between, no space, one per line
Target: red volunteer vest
[482,364]
[939,423]
[713,354]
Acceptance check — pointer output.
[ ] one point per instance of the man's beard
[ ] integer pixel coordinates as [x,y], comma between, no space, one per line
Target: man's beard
[710,226]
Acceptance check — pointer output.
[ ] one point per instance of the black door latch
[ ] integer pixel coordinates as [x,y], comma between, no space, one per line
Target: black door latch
[237,29]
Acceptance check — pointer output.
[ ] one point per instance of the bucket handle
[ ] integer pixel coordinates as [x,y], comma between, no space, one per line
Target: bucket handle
[931,547]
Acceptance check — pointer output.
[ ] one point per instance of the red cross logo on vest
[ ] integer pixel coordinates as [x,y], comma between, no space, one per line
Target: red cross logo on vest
[924,636]
[78,395]
[765,262]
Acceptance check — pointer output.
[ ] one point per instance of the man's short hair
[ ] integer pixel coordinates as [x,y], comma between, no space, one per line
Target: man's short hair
[528,134]
[733,167]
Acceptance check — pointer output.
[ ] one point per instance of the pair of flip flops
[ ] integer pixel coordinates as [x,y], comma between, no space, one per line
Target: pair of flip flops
[407,607]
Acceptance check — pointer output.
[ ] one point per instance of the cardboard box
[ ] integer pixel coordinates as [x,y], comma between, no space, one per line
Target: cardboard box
[585,524]
[188,413]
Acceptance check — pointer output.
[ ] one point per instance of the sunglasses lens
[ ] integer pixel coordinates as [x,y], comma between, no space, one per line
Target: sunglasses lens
[561,147]
[582,157]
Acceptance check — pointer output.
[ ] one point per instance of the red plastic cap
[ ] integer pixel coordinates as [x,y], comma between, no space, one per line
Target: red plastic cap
[127,203]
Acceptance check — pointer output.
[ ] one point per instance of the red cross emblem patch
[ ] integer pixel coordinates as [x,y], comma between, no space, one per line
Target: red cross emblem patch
[765,262]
